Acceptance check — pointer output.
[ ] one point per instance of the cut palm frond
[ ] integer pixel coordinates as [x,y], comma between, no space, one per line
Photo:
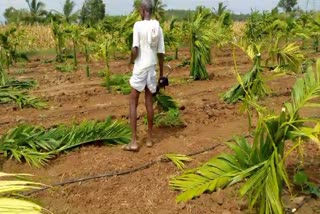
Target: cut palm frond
[119,82]
[171,118]
[164,102]
[17,84]
[21,99]
[251,82]
[37,145]
[219,172]
[178,160]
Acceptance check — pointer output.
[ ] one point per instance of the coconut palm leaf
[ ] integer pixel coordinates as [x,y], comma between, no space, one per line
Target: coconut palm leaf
[36,145]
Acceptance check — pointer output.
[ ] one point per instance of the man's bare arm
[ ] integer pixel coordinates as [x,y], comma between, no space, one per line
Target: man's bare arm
[134,54]
[161,59]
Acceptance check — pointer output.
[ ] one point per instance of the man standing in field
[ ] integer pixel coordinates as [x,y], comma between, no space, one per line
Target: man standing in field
[147,50]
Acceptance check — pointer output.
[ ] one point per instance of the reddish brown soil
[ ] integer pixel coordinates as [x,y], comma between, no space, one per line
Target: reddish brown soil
[73,97]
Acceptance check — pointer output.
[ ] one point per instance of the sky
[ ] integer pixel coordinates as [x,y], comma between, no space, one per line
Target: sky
[122,7]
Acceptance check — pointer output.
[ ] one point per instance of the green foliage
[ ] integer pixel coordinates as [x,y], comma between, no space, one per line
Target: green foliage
[13,205]
[301,179]
[287,5]
[13,15]
[36,145]
[178,160]
[92,12]
[68,7]
[119,82]
[288,58]
[37,12]
[250,84]
[21,99]
[260,165]
[65,67]
[170,118]
[164,102]
[200,33]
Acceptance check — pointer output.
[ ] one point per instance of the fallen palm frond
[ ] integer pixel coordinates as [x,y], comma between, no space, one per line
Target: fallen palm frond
[14,205]
[251,82]
[22,99]
[171,118]
[164,102]
[10,92]
[178,160]
[36,145]
[17,84]
[119,82]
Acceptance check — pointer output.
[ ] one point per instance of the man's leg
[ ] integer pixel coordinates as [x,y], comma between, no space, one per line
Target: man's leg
[149,107]
[134,99]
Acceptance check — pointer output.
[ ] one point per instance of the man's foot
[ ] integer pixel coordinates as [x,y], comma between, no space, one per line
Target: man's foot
[131,147]
[149,143]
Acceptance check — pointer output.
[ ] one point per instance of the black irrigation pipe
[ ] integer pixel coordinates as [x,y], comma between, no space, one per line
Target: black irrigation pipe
[161,158]
[120,173]
[142,167]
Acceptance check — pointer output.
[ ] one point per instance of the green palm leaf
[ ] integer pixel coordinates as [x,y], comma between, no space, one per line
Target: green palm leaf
[178,160]
[305,91]
[21,99]
[219,172]
[37,145]
[251,83]
[165,102]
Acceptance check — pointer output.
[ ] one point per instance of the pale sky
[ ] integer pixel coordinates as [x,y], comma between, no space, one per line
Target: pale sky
[122,7]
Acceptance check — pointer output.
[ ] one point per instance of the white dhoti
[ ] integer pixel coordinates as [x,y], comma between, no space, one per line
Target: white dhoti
[143,78]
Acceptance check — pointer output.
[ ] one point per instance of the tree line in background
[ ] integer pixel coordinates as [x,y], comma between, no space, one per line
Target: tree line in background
[93,11]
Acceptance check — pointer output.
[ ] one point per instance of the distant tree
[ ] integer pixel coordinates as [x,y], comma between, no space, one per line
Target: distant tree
[287,5]
[220,10]
[37,11]
[13,15]
[158,10]
[67,14]
[92,12]
[68,7]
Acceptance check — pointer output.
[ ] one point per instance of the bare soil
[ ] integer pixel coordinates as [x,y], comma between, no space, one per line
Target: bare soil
[72,97]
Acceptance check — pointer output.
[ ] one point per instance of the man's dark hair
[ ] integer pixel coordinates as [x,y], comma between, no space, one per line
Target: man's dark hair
[147,5]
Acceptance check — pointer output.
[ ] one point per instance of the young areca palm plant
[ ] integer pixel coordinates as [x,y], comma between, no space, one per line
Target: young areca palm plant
[200,32]
[260,166]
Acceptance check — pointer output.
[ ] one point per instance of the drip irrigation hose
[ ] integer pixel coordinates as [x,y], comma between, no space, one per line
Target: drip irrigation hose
[162,158]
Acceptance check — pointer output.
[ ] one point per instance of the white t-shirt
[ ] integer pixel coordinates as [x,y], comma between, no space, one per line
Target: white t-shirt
[148,37]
